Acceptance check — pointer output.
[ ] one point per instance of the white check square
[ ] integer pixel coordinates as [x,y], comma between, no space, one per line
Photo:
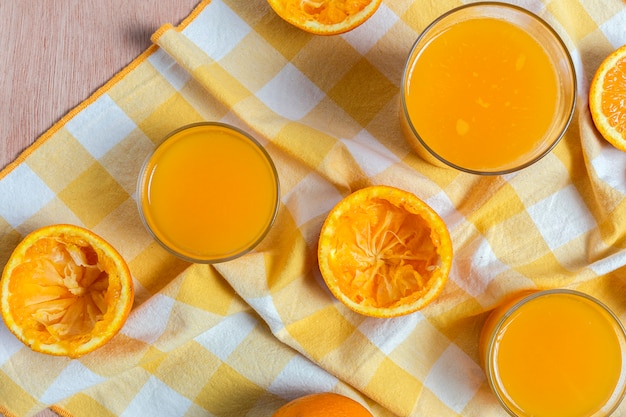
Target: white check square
[16,205]
[475,266]
[169,69]
[371,155]
[224,338]
[290,93]
[388,334]
[613,28]
[74,378]
[148,322]
[157,399]
[227,30]
[9,345]
[101,126]
[610,166]
[311,197]
[455,378]
[562,217]
[364,37]
[267,310]
[301,376]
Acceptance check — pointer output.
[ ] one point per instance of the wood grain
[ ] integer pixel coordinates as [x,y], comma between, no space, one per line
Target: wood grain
[55,53]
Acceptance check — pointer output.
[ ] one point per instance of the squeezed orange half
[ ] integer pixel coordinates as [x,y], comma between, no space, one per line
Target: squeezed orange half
[209,193]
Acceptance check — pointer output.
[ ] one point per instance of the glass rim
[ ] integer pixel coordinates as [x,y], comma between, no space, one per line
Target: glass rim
[213,259]
[620,388]
[571,106]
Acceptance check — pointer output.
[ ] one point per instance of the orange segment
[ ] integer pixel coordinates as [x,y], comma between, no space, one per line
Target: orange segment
[65,291]
[383,252]
[325,17]
[607,98]
[325,404]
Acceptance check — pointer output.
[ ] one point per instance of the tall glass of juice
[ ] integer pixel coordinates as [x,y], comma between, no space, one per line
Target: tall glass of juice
[488,88]
[555,353]
[209,193]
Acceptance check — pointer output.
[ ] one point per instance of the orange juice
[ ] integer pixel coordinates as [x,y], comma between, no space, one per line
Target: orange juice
[556,353]
[209,192]
[482,95]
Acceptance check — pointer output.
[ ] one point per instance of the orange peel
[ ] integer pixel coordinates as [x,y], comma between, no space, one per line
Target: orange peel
[383,252]
[324,404]
[325,17]
[606,98]
[65,291]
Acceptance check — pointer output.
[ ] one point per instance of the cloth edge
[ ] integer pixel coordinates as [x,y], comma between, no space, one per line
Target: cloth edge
[61,411]
[6,412]
[156,35]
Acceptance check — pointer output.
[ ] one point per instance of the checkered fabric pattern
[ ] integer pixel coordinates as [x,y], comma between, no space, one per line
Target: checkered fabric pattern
[243,337]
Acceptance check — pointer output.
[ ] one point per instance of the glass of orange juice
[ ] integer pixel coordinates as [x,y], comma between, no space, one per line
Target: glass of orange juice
[209,193]
[555,353]
[488,88]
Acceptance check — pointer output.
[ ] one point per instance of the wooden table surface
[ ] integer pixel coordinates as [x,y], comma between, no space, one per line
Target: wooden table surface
[56,53]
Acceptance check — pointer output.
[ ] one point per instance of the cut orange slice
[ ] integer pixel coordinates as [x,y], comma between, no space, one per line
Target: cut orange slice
[65,291]
[325,404]
[383,252]
[325,17]
[607,98]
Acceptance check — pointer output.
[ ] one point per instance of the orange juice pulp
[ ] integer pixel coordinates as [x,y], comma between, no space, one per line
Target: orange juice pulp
[209,192]
[557,355]
[482,94]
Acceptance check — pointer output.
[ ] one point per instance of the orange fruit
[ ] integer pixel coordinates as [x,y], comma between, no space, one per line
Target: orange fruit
[325,17]
[325,404]
[606,98]
[383,252]
[65,291]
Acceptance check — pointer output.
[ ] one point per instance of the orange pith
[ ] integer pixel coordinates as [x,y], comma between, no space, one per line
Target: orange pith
[324,404]
[325,17]
[65,291]
[607,98]
[383,252]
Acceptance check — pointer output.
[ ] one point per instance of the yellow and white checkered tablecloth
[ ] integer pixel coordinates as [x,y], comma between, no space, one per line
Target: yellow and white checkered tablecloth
[243,337]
